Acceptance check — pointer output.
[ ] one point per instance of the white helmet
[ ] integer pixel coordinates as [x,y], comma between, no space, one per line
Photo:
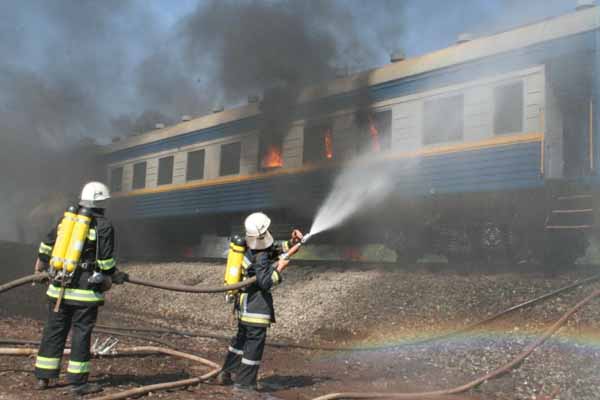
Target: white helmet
[257,231]
[94,194]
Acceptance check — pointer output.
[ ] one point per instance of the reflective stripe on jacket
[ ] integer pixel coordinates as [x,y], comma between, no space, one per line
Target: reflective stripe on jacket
[86,296]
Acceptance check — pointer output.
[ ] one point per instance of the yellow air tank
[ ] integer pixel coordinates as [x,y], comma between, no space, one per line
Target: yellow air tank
[235,258]
[78,237]
[63,235]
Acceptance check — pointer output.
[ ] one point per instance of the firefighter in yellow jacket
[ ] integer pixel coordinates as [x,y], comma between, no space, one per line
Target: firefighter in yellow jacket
[79,293]
[254,304]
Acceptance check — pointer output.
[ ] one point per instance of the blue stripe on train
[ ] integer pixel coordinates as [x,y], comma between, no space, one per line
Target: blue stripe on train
[500,168]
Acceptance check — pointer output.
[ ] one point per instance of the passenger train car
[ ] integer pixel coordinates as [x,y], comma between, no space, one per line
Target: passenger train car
[493,138]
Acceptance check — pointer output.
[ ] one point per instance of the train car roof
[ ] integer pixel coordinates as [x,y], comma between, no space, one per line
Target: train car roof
[574,23]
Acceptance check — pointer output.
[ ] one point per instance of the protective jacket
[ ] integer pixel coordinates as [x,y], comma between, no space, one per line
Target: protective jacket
[97,254]
[255,304]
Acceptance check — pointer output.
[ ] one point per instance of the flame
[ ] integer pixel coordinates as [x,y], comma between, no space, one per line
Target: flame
[272,157]
[374,135]
[353,254]
[328,144]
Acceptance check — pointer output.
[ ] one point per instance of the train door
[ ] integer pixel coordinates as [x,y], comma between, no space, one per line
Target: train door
[570,81]
[576,137]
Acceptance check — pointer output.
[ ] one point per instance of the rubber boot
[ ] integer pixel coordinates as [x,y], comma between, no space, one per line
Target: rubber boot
[224,378]
[240,387]
[41,384]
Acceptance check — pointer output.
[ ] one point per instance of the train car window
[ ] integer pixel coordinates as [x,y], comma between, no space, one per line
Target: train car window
[508,109]
[139,175]
[318,143]
[230,159]
[271,153]
[195,165]
[116,179]
[443,120]
[165,170]
[375,131]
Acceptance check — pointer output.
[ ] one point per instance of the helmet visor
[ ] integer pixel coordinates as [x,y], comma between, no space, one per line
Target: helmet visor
[259,242]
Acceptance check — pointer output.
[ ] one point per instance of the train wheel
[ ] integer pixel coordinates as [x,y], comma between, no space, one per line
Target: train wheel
[457,245]
[497,243]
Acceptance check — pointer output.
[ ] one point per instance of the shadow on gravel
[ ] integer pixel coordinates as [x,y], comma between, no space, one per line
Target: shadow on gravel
[116,379]
[284,382]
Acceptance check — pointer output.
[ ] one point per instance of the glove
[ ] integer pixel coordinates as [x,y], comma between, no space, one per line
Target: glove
[119,277]
[100,282]
[282,265]
[296,236]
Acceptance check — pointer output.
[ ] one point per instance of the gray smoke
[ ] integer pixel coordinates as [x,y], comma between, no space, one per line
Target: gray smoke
[61,78]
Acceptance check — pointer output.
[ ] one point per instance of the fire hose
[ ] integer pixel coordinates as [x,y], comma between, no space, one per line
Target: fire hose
[131,351]
[215,289]
[126,351]
[191,289]
[23,281]
[349,395]
[423,395]
[470,385]
[175,288]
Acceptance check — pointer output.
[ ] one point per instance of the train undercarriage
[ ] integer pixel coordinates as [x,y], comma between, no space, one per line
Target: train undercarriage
[549,225]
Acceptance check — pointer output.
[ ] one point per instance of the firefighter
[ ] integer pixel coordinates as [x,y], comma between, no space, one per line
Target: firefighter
[82,295]
[254,304]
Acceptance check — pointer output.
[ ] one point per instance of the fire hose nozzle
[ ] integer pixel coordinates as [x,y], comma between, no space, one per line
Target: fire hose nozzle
[295,248]
[305,238]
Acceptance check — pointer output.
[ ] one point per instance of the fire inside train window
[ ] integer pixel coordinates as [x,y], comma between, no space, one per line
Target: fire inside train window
[165,170]
[271,154]
[116,179]
[443,120]
[318,143]
[375,131]
[195,165]
[230,159]
[508,109]
[139,175]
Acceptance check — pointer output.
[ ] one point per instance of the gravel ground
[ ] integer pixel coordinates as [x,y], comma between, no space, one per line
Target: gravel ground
[382,307]
[375,306]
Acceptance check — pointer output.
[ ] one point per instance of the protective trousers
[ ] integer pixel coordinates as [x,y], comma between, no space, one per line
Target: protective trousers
[83,319]
[245,352]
